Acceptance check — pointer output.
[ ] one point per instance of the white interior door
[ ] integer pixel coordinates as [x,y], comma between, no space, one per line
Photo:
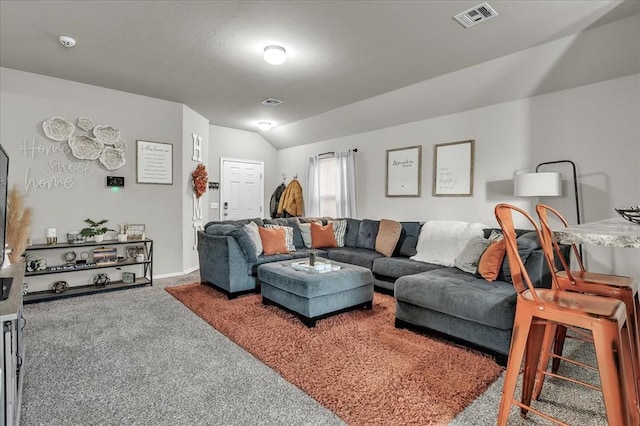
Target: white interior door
[242,189]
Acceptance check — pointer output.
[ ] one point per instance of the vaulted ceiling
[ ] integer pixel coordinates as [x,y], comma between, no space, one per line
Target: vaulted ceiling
[208,54]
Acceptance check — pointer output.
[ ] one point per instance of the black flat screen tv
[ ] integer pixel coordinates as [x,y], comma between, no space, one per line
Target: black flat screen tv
[4,174]
[5,282]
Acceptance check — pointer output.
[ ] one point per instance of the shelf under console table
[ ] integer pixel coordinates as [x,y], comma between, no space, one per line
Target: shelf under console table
[109,259]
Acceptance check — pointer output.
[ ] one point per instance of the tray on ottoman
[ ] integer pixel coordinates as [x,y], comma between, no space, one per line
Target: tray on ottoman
[313,296]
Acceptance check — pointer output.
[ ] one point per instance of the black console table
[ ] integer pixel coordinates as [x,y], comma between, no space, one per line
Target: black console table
[146,266]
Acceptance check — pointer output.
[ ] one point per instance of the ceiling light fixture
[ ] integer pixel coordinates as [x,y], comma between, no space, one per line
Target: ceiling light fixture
[275,55]
[264,125]
[67,41]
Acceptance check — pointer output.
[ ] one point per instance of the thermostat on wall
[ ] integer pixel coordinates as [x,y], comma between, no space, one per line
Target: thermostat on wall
[117,181]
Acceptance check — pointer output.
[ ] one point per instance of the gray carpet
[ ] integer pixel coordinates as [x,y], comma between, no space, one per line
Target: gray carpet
[140,357]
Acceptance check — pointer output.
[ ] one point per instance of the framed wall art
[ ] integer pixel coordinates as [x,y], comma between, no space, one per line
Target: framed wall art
[154,162]
[404,171]
[453,169]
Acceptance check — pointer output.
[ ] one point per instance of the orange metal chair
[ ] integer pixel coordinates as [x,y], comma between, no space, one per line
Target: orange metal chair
[539,309]
[618,287]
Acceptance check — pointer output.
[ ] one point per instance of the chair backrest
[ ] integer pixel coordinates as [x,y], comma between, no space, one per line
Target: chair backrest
[519,275]
[550,243]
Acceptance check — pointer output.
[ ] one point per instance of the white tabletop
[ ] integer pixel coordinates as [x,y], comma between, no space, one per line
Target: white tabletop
[616,232]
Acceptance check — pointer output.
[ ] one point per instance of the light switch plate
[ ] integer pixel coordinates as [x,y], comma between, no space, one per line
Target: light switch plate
[215,205]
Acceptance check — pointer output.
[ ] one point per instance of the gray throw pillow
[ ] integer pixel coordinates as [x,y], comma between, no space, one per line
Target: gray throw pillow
[469,257]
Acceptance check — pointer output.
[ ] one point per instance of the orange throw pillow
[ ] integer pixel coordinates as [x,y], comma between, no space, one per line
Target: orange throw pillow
[273,240]
[388,236]
[491,260]
[322,236]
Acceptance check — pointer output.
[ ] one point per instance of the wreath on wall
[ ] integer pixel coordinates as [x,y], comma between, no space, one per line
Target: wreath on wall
[200,180]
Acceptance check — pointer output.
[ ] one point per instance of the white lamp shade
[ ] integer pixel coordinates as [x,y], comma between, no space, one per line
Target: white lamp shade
[547,184]
[275,55]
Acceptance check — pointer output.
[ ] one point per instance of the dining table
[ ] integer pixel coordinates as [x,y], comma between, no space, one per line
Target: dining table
[614,232]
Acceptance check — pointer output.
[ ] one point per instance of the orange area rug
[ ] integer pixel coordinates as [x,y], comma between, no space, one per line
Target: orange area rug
[356,364]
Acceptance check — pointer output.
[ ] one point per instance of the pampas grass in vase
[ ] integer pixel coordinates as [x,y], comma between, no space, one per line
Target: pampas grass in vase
[18,224]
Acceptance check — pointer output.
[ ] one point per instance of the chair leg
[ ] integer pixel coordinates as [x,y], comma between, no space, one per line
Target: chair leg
[532,361]
[519,338]
[545,351]
[628,366]
[561,335]
[609,354]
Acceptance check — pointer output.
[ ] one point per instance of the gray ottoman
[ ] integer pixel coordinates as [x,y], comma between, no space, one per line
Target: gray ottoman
[313,296]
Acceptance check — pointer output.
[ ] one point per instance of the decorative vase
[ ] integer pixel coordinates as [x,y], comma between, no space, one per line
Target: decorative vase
[98,238]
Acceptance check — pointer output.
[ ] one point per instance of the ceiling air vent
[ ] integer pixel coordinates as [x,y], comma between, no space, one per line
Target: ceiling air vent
[475,15]
[271,102]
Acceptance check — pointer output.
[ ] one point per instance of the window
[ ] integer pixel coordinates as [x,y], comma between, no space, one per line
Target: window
[327,180]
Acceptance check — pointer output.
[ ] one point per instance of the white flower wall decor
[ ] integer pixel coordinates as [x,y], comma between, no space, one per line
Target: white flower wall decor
[88,141]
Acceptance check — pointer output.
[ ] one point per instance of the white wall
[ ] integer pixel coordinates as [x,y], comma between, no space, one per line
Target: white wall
[193,123]
[28,99]
[596,126]
[239,144]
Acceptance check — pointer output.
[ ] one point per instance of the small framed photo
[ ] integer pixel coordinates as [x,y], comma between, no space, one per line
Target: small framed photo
[105,256]
[128,277]
[134,251]
[135,232]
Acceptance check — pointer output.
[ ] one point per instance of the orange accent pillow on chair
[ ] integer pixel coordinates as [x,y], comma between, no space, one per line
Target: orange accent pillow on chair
[491,260]
[273,240]
[322,236]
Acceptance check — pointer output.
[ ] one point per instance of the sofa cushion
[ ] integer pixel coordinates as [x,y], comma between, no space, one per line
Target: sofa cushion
[462,295]
[367,233]
[491,260]
[322,236]
[469,258]
[441,241]
[353,255]
[293,223]
[252,229]
[288,235]
[273,240]
[387,238]
[408,240]
[353,227]
[339,230]
[527,243]
[238,222]
[242,238]
[395,267]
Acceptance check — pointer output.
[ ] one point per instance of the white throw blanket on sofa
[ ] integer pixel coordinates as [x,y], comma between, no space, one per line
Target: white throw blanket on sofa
[441,241]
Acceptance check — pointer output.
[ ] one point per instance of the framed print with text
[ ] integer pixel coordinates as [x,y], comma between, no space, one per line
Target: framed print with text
[453,169]
[154,162]
[404,172]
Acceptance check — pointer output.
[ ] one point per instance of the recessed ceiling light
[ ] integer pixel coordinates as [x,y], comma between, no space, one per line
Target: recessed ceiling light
[67,41]
[264,125]
[275,55]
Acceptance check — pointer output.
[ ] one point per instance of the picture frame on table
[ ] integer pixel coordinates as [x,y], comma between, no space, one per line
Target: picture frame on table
[105,256]
[135,232]
[133,251]
[128,277]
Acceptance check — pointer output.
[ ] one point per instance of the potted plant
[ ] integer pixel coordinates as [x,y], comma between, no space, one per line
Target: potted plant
[95,229]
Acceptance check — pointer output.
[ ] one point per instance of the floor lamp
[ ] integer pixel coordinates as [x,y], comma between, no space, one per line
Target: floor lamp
[546,184]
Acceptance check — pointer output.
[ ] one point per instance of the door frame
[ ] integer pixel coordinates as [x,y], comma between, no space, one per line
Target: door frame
[238,160]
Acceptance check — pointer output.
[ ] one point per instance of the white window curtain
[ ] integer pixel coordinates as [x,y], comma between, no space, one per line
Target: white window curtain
[346,184]
[313,187]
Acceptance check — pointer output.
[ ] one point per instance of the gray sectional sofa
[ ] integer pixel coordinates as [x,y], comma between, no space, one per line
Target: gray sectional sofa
[443,300]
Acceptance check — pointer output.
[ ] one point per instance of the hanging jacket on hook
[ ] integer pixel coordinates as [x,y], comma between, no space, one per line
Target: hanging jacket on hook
[275,200]
[291,202]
